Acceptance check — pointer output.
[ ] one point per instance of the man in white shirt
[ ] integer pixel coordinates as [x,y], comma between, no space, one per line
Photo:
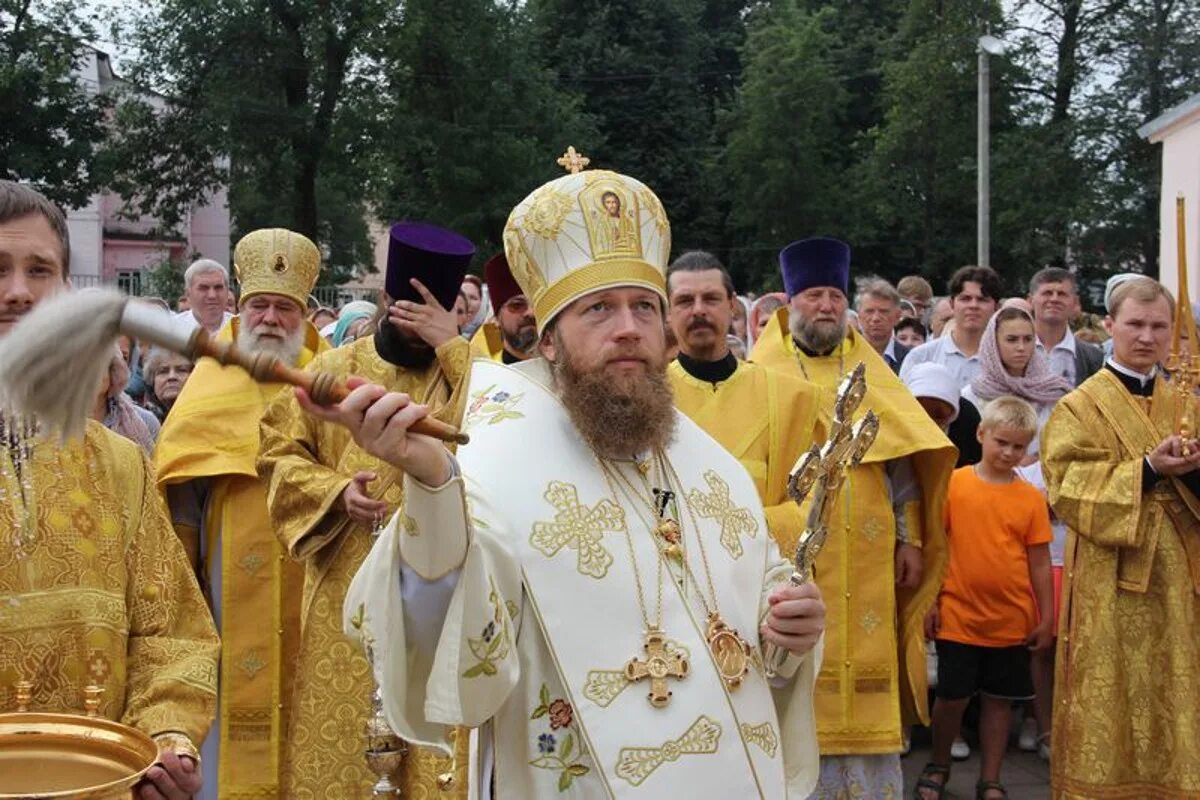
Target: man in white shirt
[878,312]
[1053,295]
[207,289]
[974,294]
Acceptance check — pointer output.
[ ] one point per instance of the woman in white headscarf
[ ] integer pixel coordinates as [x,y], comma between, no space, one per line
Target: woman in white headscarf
[116,410]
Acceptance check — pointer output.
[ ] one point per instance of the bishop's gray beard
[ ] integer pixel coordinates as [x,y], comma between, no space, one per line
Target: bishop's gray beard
[617,419]
[817,336]
[288,349]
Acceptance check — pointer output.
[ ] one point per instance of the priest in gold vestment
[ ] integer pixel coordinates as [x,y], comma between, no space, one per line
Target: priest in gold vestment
[882,566]
[763,417]
[94,586]
[205,462]
[1127,716]
[327,496]
[510,336]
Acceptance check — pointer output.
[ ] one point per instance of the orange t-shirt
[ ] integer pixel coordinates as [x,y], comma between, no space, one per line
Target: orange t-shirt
[987,598]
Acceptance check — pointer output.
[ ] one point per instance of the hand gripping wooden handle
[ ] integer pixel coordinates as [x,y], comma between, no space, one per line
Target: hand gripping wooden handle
[322,387]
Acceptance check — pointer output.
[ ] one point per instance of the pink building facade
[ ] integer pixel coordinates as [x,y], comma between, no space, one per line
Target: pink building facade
[108,249]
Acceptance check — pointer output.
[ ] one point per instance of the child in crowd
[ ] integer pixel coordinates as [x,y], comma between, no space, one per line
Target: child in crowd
[996,599]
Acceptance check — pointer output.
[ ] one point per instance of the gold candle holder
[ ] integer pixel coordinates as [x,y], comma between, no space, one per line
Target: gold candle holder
[24,691]
[92,696]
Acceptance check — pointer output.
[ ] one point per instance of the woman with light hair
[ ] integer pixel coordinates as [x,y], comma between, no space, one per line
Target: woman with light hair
[118,412]
[164,373]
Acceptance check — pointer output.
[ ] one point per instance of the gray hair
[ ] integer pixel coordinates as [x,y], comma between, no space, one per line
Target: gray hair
[880,290]
[203,266]
[153,361]
[18,200]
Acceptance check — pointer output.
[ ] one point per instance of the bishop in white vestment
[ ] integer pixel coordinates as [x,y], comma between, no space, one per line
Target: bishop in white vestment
[590,585]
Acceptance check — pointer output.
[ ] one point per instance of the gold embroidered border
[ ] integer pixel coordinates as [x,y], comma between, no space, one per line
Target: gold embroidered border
[635,764]
[597,275]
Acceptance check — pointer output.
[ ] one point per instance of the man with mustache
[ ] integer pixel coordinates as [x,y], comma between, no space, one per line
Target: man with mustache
[205,464]
[974,296]
[587,583]
[882,562]
[511,335]
[328,495]
[764,418]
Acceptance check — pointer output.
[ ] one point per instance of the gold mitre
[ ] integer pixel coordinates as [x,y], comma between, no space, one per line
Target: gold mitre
[276,261]
[589,230]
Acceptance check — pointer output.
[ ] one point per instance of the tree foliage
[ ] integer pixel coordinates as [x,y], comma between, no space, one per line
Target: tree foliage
[53,131]
[756,121]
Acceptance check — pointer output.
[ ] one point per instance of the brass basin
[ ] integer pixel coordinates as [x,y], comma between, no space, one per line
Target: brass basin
[69,757]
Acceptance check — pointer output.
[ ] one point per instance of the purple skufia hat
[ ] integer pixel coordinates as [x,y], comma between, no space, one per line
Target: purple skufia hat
[435,256]
[820,261]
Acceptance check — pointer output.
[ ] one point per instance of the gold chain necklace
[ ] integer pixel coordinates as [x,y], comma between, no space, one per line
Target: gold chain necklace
[17,435]
[662,661]
[731,653]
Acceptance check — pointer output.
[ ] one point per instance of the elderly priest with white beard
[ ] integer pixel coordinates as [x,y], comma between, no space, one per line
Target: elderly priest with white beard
[591,583]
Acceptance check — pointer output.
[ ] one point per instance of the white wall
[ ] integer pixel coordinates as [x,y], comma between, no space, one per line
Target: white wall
[1181,175]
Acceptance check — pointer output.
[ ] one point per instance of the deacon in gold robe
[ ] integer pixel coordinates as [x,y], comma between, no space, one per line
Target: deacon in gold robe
[1127,714]
[882,566]
[327,496]
[205,459]
[764,418]
[95,589]
[510,335]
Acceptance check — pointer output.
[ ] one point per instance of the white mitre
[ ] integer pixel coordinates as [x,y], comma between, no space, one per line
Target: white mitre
[589,230]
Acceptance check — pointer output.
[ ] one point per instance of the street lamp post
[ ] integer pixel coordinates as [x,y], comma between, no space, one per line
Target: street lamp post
[988,46]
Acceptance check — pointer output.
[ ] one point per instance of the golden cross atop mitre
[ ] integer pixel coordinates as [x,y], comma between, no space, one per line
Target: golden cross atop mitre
[572,161]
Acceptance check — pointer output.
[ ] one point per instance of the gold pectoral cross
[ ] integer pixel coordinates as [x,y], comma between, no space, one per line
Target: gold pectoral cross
[660,664]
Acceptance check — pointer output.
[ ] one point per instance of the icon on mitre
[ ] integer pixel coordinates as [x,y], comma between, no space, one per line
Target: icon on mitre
[612,221]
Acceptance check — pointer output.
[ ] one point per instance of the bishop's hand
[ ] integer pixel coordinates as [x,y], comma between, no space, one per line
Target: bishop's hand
[379,421]
[796,619]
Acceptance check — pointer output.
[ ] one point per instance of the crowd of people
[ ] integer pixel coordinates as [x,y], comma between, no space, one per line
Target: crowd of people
[250,576]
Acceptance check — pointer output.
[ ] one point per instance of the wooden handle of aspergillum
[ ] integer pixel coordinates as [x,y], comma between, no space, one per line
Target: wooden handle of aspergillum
[322,387]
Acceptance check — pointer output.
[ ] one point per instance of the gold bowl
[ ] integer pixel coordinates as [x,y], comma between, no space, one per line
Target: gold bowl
[70,757]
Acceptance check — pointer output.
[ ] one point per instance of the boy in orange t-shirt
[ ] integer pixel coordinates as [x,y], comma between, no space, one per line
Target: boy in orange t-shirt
[996,602]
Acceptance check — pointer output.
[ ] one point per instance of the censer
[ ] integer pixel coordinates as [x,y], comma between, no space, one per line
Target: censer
[47,756]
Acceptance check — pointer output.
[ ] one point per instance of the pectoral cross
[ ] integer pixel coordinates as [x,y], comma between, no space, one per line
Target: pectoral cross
[660,664]
[821,472]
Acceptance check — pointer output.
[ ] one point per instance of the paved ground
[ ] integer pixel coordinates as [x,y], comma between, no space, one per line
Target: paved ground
[1025,775]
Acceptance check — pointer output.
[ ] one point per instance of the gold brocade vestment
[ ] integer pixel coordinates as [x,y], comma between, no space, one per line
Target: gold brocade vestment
[212,434]
[766,419]
[873,678]
[1127,688]
[104,595]
[488,341]
[308,464]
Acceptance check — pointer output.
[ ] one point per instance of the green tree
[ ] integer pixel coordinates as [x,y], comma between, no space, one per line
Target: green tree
[785,142]
[638,67]
[471,119]
[917,186]
[53,122]
[277,88]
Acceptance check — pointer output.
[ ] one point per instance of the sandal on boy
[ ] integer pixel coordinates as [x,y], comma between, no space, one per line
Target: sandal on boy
[927,783]
[983,787]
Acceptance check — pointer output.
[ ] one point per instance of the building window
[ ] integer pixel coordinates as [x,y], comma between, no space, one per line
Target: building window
[130,282]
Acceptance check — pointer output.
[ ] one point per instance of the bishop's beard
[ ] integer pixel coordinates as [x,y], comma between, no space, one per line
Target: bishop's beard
[618,418]
[400,351]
